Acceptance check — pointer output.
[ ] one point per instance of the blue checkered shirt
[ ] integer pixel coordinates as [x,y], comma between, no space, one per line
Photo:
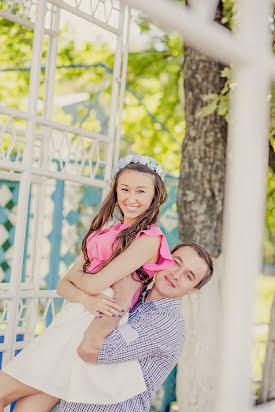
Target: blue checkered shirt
[154,335]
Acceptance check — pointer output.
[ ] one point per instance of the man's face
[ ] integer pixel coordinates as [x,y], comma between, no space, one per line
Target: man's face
[181,279]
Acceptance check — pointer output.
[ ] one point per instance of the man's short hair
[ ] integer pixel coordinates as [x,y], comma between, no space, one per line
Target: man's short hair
[202,252]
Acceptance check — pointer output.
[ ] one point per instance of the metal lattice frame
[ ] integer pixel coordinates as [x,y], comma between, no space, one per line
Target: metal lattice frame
[44,148]
[249,51]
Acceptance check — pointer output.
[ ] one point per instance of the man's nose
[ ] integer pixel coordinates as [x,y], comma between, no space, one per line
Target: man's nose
[175,272]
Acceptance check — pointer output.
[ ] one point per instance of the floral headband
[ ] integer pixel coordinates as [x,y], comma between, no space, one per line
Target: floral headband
[141,159]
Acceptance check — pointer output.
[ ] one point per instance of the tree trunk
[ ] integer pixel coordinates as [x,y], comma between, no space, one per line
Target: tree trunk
[200,209]
[267,391]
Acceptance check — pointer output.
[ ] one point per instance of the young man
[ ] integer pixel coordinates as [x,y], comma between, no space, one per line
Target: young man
[154,333]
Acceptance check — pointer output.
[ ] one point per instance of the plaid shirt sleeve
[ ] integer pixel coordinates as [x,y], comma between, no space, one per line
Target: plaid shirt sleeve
[139,339]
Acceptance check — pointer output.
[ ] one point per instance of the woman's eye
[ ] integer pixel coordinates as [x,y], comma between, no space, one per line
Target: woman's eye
[125,190]
[141,191]
[189,276]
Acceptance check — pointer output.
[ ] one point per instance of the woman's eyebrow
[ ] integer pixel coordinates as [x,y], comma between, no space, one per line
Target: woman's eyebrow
[138,187]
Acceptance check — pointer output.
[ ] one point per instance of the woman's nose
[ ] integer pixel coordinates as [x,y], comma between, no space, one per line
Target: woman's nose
[131,197]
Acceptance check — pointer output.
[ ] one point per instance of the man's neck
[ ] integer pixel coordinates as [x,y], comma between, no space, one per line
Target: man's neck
[154,295]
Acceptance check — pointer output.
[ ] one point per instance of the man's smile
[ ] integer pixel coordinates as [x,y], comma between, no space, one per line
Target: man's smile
[169,282]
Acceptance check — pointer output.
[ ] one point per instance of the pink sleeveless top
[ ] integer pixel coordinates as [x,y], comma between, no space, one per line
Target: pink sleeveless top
[99,249]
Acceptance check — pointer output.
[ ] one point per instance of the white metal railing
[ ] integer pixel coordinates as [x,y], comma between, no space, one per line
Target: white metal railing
[91,15]
[30,151]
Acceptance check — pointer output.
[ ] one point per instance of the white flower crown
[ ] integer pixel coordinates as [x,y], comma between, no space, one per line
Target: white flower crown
[141,159]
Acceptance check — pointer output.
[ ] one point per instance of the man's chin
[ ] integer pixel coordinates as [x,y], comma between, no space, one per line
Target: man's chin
[168,295]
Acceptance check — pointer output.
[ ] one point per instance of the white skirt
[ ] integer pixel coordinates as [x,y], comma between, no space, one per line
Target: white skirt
[50,363]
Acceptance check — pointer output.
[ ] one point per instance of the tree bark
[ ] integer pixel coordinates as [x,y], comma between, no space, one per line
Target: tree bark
[201,183]
[200,209]
[271,158]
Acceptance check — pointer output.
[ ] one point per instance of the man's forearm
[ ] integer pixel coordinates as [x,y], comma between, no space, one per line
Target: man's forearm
[99,329]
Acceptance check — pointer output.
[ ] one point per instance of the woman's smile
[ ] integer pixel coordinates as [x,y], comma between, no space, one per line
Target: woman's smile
[132,208]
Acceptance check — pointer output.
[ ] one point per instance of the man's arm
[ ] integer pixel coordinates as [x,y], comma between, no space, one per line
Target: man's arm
[141,338]
[99,329]
[149,334]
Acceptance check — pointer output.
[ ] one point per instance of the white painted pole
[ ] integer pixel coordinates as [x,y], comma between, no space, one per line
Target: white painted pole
[23,21]
[24,189]
[210,38]
[244,204]
[40,195]
[123,85]
[47,113]
[114,99]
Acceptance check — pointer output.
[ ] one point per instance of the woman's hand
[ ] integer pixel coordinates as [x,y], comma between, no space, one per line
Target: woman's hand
[99,304]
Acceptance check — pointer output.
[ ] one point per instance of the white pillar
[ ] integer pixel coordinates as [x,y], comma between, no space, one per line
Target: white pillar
[244,204]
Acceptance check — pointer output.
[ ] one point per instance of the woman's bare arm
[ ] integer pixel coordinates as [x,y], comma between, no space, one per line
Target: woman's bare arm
[67,289]
[139,252]
[94,304]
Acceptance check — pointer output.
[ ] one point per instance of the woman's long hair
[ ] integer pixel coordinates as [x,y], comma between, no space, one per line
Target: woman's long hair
[127,235]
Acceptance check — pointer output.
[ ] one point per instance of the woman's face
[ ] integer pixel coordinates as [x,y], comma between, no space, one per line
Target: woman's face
[135,192]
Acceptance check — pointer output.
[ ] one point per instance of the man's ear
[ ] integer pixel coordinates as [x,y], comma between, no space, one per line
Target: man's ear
[192,291]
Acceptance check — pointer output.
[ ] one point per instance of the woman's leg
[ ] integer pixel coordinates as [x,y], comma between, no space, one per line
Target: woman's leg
[40,402]
[12,389]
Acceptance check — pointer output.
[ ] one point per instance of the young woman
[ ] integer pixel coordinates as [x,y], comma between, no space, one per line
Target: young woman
[56,362]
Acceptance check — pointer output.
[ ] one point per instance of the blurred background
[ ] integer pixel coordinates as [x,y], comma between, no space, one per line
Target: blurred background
[175,109]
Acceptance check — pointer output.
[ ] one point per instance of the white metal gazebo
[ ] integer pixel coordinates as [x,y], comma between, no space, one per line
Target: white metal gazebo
[249,52]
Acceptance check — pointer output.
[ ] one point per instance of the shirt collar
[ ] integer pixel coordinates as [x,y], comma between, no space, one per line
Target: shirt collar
[165,303]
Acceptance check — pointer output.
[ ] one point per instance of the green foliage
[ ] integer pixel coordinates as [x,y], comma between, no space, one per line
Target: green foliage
[265,296]
[219,102]
[228,10]
[153,117]
[157,89]
[153,121]
[270,218]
